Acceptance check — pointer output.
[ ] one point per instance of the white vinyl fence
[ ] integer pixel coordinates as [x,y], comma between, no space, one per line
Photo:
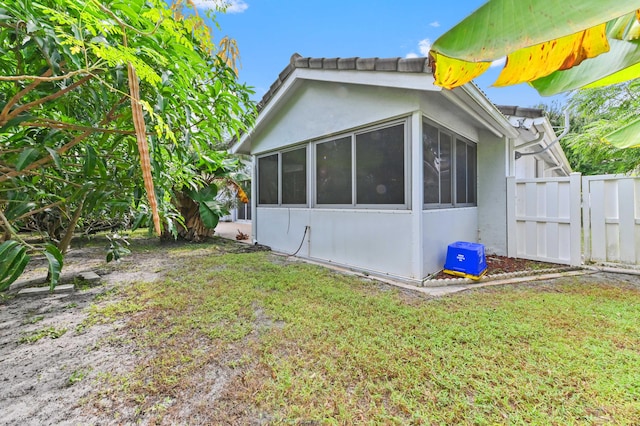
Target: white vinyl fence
[611,219]
[547,217]
[544,219]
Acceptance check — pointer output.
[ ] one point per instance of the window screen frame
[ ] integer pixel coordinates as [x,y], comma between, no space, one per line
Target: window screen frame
[317,172]
[280,177]
[312,169]
[455,138]
[405,123]
[259,180]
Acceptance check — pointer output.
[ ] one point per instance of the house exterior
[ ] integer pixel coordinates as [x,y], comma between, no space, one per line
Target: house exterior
[364,163]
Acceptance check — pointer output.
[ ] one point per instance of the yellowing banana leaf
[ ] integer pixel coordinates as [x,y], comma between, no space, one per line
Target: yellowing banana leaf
[625,137]
[542,59]
[501,27]
[505,27]
[617,65]
[450,73]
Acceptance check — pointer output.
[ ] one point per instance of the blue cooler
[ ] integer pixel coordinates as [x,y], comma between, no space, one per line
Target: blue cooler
[466,260]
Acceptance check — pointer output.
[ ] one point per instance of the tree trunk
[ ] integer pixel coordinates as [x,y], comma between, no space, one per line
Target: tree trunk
[194,229]
[65,242]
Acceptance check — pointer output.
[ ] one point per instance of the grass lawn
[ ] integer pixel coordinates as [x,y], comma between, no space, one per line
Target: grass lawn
[304,345]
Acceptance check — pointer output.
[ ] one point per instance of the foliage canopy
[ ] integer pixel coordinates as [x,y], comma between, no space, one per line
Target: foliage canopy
[89,90]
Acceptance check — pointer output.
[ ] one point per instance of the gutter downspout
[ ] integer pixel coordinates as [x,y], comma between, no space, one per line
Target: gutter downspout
[535,141]
[519,154]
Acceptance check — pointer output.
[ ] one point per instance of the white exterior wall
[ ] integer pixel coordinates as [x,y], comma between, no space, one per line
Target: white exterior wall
[442,112]
[321,109]
[526,168]
[442,227]
[377,241]
[492,193]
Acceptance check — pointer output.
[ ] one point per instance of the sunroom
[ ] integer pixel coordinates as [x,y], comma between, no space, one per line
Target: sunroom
[365,164]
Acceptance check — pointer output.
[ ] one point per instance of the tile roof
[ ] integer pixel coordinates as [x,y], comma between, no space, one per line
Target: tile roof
[405,65]
[520,111]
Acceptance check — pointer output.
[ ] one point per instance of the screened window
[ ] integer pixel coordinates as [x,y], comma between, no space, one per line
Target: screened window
[364,168]
[437,165]
[380,166]
[268,179]
[282,178]
[465,172]
[294,176]
[449,165]
[333,172]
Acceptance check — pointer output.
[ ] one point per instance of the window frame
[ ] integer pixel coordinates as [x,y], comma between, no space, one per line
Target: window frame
[258,186]
[280,176]
[352,134]
[312,168]
[468,144]
[304,147]
[315,146]
[455,138]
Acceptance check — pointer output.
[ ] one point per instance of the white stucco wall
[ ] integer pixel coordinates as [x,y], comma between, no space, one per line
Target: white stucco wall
[443,227]
[441,111]
[320,109]
[492,193]
[376,241]
[526,167]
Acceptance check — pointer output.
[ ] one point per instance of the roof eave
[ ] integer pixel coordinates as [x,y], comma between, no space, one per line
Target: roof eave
[482,109]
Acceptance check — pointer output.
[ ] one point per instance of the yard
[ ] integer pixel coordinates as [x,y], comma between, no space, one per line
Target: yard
[224,333]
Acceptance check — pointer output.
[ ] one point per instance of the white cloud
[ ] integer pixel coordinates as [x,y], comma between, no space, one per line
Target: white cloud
[499,62]
[424,46]
[230,6]
[434,24]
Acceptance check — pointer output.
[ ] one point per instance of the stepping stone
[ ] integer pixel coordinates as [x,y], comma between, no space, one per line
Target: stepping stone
[44,291]
[90,276]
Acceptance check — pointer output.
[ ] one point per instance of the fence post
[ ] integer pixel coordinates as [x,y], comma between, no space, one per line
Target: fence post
[586,219]
[575,219]
[512,240]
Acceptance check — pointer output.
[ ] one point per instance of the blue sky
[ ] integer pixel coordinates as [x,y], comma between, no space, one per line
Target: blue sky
[268,32]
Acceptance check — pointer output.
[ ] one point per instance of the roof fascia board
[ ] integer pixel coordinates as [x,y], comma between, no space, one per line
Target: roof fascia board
[283,91]
[485,111]
[392,79]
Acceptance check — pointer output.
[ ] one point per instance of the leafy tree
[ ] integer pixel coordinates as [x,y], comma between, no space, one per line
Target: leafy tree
[594,114]
[87,92]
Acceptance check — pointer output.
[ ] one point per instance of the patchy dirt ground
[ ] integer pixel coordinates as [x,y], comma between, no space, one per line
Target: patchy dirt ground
[49,360]
[44,381]
[48,380]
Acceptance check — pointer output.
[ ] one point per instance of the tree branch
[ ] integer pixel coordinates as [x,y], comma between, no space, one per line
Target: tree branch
[51,97]
[107,119]
[36,211]
[4,222]
[53,124]
[44,160]
[20,94]
[52,78]
[123,24]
